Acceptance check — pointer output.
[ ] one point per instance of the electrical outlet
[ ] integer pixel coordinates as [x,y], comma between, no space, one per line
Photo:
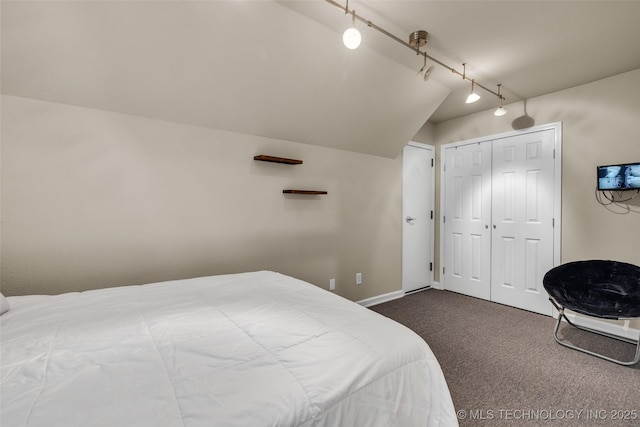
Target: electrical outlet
[332,284]
[358,278]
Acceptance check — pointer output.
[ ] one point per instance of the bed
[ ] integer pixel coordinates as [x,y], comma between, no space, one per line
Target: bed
[249,349]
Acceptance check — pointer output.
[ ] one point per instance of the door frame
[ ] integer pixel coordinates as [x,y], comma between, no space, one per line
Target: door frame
[557,186]
[432,202]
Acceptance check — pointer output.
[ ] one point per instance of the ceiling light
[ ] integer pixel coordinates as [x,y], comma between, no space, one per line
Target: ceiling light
[500,111]
[425,72]
[351,36]
[473,97]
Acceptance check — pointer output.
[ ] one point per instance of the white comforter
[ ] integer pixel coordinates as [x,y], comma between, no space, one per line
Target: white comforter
[250,349]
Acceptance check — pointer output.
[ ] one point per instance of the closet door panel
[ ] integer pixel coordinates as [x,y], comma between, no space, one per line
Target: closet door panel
[522,215]
[467,207]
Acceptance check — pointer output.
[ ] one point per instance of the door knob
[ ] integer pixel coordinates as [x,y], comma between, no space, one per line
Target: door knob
[410,220]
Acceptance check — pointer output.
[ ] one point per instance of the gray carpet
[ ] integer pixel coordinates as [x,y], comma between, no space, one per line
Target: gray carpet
[503,366]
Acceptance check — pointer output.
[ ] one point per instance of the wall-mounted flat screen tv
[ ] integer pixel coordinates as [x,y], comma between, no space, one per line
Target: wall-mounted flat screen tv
[619,177]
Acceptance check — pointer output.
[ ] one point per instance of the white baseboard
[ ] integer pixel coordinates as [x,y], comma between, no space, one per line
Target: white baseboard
[606,327]
[368,302]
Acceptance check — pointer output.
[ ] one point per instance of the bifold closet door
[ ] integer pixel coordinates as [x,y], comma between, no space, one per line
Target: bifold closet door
[522,219]
[467,234]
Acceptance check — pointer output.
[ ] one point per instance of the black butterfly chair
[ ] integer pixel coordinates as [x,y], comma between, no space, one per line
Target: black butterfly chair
[597,288]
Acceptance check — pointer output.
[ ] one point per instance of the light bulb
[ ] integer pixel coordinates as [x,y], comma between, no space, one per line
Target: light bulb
[351,38]
[501,111]
[473,97]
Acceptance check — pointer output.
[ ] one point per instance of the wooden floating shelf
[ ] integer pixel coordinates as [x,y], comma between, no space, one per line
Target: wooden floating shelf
[283,160]
[273,159]
[314,192]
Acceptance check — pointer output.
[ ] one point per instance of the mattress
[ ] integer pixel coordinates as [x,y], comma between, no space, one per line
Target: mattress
[249,349]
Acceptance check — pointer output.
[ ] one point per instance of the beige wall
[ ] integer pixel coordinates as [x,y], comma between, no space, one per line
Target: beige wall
[426,134]
[95,199]
[92,198]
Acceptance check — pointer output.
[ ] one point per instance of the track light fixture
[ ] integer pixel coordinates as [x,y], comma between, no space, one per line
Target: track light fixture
[425,71]
[352,38]
[500,111]
[417,39]
[473,97]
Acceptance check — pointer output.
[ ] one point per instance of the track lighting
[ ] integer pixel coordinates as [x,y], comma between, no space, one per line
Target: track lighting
[351,36]
[473,97]
[417,39]
[500,111]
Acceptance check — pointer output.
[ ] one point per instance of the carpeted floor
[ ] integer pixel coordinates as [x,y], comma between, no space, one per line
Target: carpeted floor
[503,366]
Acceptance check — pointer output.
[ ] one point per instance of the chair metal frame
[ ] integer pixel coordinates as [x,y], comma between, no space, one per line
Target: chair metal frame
[564,343]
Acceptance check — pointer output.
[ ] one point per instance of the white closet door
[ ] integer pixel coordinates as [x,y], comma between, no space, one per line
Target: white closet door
[467,236]
[522,218]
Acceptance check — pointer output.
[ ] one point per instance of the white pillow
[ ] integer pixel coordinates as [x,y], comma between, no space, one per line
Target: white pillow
[4,304]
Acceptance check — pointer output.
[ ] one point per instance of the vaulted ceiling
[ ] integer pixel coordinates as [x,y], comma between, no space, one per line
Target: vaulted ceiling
[278,68]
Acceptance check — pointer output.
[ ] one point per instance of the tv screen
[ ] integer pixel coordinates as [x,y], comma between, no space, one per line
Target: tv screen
[619,177]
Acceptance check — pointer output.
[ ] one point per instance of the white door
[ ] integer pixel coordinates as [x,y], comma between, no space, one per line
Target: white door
[467,219]
[522,217]
[501,204]
[417,210]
